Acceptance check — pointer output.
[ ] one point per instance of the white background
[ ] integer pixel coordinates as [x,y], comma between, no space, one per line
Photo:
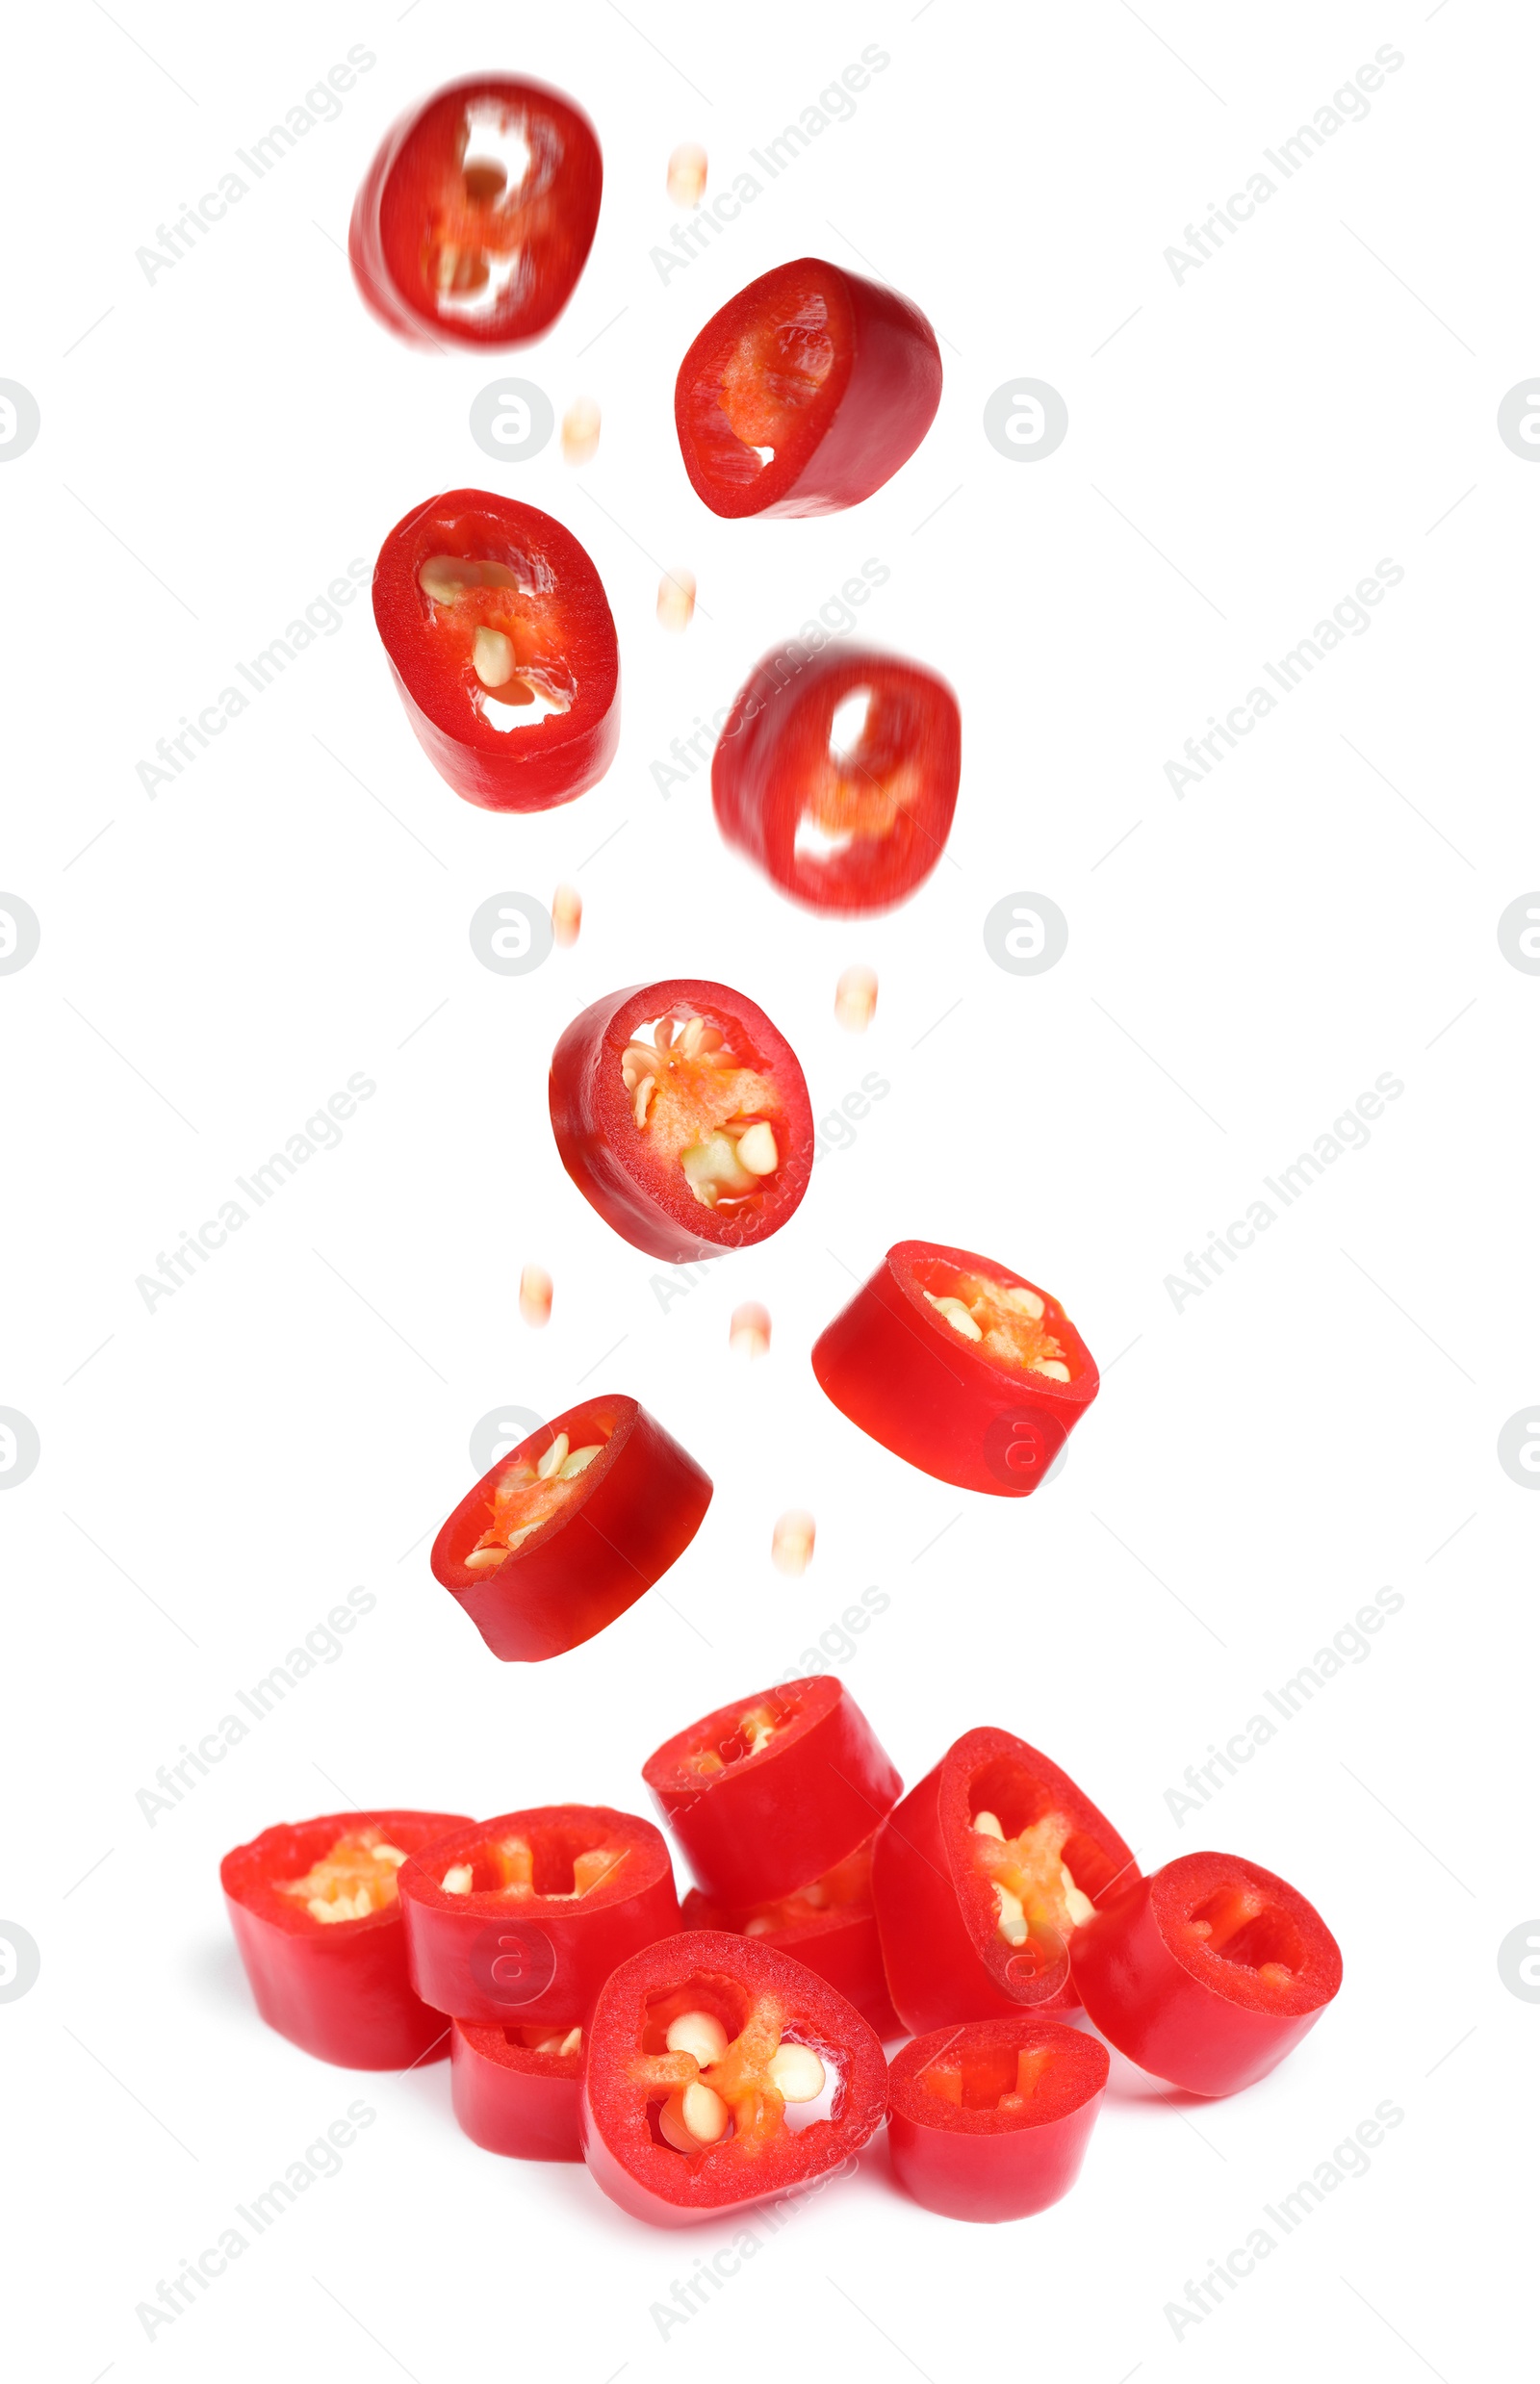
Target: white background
[1243,447]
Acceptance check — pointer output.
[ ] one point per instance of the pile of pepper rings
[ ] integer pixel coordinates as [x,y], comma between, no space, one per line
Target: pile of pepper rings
[704,2059]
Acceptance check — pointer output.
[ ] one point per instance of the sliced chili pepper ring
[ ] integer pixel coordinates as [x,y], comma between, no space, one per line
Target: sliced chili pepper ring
[830,1924]
[990,2119]
[568,1529]
[315,1913]
[982,1879]
[959,1366]
[478,213]
[516,2088]
[1208,1972]
[704,2053]
[773,1790]
[520,1919]
[502,646]
[837,773]
[805,393]
[682,1116]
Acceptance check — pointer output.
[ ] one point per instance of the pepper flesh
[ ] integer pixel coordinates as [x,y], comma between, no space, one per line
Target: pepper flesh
[976,1926]
[846,819]
[959,1366]
[682,1114]
[1208,1972]
[478,213]
[990,2120]
[805,393]
[516,2089]
[335,1982]
[502,647]
[773,1790]
[829,1924]
[772,2017]
[568,1529]
[519,1920]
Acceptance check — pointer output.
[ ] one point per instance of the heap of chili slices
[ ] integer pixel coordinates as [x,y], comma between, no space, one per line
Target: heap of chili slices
[705,2059]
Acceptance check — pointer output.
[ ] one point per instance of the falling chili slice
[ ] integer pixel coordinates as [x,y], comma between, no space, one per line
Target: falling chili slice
[521,1919]
[829,1924]
[682,1116]
[517,2089]
[502,647]
[704,2054]
[773,1790]
[990,2119]
[1208,1972]
[476,216]
[317,1918]
[959,1366]
[837,773]
[571,1528]
[981,1877]
[805,393]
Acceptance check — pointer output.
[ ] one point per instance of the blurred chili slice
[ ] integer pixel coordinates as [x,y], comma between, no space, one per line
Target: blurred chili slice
[837,773]
[476,216]
[805,393]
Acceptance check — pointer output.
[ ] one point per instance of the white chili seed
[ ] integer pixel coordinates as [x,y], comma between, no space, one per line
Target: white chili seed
[988,1825]
[700,2034]
[554,1458]
[1053,1368]
[704,2113]
[482,1560]
[643,1097]
[566,915]
[796,2073]
[1013,1919]
[792,1543]
[579,1458]
[957,1315]
[457,1879]
[856,999]
[676,600]
[749,1332]
[579,431]
[536,1288]
[686,175]
[492,657]
[1025,1303]
[756,1150]
[1077,1904]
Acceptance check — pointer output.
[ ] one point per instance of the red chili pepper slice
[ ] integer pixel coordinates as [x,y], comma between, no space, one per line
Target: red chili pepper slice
[704,2053]
[805,393]
[682,1116]
[982,1876]
[837,774]
[830,1924]
[521,1919]
[317,1921]
[478,214]
[517,2089]
[960,1367]
[990,2119]
[571,1528]
[773,1790]
[502,647]
[1208,1972]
